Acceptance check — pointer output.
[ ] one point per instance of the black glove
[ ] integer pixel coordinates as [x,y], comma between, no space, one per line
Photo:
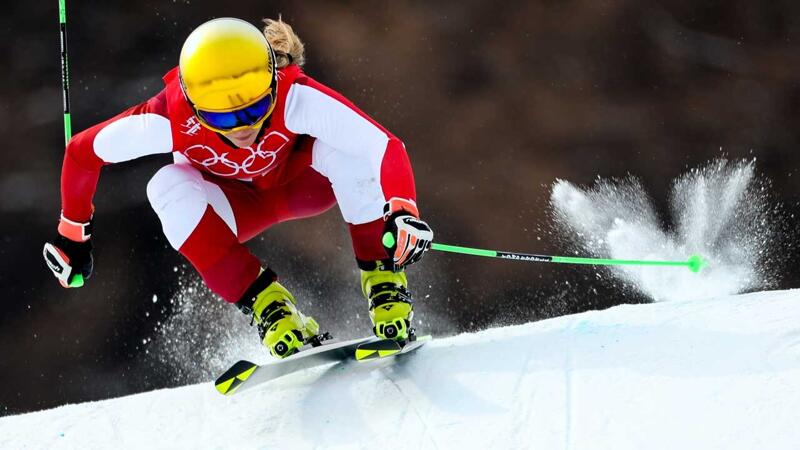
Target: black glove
[70,261]
[406,238]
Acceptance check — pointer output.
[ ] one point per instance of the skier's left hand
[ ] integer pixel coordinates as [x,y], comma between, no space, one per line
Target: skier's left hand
[69,256]
[406,236]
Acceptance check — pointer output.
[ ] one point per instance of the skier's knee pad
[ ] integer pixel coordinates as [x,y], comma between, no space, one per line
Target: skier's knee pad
[171,179]
[180,196]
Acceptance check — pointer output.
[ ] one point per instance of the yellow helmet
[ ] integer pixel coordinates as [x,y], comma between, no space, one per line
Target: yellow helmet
[227,64]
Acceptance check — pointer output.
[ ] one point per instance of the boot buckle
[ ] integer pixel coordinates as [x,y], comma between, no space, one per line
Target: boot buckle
[287,345]
[396,329]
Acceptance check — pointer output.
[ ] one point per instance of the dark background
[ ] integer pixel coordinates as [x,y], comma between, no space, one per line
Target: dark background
[494,100]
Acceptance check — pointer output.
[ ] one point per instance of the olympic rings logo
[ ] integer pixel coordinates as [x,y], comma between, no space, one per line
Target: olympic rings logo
[240,162]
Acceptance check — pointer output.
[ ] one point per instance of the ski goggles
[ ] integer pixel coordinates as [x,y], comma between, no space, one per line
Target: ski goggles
[249,116]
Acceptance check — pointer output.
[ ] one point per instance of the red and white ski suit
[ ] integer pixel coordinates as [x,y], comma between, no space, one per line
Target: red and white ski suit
[315,150]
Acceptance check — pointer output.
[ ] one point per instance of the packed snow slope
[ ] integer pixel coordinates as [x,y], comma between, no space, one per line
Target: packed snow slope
[717,373]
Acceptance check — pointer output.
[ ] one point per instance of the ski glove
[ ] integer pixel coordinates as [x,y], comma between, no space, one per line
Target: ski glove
[69,257]
[406,237]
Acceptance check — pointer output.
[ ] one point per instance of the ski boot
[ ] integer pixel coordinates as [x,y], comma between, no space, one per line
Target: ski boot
[390,307]
[282,328]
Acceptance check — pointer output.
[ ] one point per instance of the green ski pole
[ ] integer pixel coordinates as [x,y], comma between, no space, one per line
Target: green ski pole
[694,263]
[77,280]
[62,16]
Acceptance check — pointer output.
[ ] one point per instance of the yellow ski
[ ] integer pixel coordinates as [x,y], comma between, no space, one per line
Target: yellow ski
[245,375]
[228,382]
[385,348]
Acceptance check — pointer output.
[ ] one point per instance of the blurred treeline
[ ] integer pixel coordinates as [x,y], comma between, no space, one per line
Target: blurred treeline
[495,100]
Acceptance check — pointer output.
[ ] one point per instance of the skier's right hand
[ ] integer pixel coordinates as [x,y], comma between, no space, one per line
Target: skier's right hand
[406,237]
[69,257]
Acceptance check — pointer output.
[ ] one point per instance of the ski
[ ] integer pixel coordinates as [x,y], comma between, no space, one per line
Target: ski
[386,348]
[244,375]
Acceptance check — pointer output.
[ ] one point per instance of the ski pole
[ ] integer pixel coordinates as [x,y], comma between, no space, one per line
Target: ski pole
[77,281]
[694,263]
[62,17]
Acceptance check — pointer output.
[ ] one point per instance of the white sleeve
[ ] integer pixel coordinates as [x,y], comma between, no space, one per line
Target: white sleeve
[133,136]
[315,113]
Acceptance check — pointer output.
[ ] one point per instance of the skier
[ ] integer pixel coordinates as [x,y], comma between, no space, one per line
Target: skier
[255,142]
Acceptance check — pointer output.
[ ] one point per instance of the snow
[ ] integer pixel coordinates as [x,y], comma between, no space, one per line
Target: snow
[716,373]
[723,211]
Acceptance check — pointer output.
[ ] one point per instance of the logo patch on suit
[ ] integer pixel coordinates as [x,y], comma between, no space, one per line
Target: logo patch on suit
[239,162]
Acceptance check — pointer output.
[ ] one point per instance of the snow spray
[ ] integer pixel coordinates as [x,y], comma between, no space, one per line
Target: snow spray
[197,340]
[722,211]
[201,335]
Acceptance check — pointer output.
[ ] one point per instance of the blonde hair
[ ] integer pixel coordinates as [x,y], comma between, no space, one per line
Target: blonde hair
[287,45]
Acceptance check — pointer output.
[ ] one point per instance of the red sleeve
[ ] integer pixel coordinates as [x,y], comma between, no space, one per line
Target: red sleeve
[397,178]
[81,168]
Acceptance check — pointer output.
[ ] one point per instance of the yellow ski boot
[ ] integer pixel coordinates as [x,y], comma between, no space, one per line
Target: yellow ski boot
[283,329]
[390,307]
